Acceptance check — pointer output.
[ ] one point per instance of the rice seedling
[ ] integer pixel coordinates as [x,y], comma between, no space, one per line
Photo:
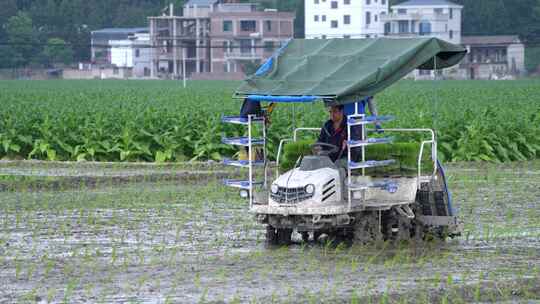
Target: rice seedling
[199,240]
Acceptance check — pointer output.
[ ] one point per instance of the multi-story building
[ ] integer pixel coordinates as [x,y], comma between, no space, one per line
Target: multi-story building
[215,36]
[431,18]
[249,36]
[344,18]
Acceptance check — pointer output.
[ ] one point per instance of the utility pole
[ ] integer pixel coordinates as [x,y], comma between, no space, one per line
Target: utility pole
[184,65]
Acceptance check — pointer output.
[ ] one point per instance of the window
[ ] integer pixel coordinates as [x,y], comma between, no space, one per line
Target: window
[451,34]
[424,28]
[245,46]
[316,1]
[269,46]
[403,27]
[115,71]
[268,25]
[227,26]
[146,72]
[376,18]
[227,46]
[346,2]
[333,4]
[323,36]
[323,18]
[347,36]
[383,2]
[347,19]
[387,28]
[248,25]
[316,18]
[438,11]
[334,24]
[137,53]
[368,18]
[368,2]
[451,13]
[402,11]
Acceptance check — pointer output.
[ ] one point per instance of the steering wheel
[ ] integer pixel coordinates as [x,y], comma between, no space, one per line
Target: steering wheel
[318,149]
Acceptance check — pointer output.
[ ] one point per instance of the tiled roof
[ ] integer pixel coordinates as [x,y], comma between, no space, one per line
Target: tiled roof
[126,31]
[508,39]
[201,2]
[426,3]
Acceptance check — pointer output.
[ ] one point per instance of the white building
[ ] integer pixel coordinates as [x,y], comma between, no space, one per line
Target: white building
[344,18]
[132,53]
[431,18]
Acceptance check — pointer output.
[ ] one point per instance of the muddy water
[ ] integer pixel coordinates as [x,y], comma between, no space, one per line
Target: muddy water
[164,241]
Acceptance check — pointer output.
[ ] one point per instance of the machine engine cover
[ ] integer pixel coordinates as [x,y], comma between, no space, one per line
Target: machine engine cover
[293,187]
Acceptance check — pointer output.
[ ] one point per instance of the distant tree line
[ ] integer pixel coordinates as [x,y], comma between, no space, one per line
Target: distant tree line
[45,32]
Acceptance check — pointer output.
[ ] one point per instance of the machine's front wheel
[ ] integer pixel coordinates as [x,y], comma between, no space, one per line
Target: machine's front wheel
[277,236]
[305,236]
[271,235]
[284,236]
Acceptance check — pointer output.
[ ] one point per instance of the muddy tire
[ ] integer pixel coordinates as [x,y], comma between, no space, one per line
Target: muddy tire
[366,229]
[271,235]
[397,228]
[305,236]
[316,235]
[418,231]
[342,236]
[284,236]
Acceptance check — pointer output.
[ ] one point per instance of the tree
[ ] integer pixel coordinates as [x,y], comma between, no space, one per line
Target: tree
[57,51]
[9,9]
[535,26]
[8,57]
[21,39]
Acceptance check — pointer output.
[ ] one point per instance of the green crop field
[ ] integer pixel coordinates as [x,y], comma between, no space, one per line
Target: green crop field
[162,122]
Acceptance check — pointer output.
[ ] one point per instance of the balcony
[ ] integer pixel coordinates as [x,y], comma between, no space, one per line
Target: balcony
[414,16]
[405,35]
[242,56]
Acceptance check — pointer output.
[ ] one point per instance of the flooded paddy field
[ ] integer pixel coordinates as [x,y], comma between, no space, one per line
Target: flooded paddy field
[172,234]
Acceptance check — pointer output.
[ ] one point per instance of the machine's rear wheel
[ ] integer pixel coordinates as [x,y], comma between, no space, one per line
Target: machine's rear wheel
[366,228]
[397,227]
[342,236]
[419,231]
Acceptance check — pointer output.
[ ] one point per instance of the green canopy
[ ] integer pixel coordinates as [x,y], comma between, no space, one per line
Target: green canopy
[347,69]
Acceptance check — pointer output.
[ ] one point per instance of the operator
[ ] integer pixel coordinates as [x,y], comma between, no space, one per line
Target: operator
[334,131]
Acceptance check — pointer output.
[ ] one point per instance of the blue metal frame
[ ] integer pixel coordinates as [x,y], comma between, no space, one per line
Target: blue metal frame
[448,194]
[276,98]
[267,66]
